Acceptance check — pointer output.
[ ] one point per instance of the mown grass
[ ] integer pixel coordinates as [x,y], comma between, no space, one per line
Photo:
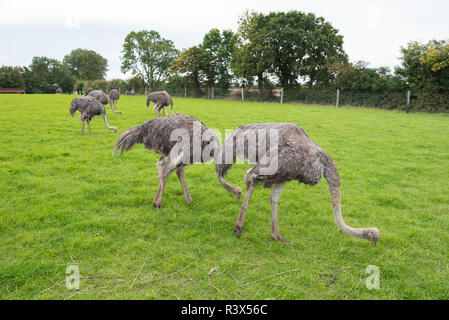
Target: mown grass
[66,201]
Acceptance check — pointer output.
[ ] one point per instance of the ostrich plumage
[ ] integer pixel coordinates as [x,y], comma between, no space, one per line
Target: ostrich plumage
[87,91]
[298,158]
[114,96]
[161,100]
[155,135]
[89,107]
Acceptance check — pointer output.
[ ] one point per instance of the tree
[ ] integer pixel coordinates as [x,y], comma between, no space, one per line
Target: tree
[216,57]
[290,45]
[86,64]
[148,56]
[426,66]
[189,63]
[11,77]
[45,75]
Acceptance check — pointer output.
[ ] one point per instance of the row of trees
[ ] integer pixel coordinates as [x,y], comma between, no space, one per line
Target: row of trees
[289,50]
[46,75]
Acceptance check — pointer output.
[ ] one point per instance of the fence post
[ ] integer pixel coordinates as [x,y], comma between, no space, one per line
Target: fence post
[282,95]
[243,95]
[338,98]
[213,93]
[185,92]
[408,101]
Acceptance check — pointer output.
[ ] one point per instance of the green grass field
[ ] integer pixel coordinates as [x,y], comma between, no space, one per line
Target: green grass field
[64,200]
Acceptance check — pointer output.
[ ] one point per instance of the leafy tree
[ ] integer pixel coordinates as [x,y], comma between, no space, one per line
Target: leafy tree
[426,66]
[289,45]
[11,77]
[86,64]
[189,63]
[45,75]
[216,57]
[148,56]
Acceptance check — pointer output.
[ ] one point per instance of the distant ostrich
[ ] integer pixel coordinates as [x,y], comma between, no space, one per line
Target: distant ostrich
[89,107]
[132,92]
[161,100]
[114,96]
[298,158]
[102,97]
[59,91]
[127,92]
[155,135]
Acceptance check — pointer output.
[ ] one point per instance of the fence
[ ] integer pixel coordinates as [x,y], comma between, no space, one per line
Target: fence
[390,100]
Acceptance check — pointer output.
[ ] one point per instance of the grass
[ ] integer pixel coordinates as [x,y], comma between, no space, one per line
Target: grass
[64,200]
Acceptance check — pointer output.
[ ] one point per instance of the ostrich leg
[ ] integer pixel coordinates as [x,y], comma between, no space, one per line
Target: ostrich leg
[107,126]
[241,219]
[181,175]
[171,107]
[275,195]
[165,112]
[88,125]
[165,169]
[82,129]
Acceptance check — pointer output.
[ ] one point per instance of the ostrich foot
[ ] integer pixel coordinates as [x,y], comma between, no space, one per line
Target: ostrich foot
[189,200]
[279,238]
[157,205]
[238,231]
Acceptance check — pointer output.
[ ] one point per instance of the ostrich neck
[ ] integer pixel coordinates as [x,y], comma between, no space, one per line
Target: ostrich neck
[343,226]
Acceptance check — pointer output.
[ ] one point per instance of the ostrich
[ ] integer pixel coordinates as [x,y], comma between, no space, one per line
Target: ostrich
[298,158]
[102,97]
[59,91]
[88,107]
[114,96]
[132,92]
[161,100]
[88,90]
[127,92]
[156,134]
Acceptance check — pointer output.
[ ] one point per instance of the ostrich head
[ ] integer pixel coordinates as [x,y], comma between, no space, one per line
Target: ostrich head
[371,234]
[73,107]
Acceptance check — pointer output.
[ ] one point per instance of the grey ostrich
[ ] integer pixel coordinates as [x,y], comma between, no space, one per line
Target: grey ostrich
[89,107]
[132,92]
[161,100]
[155,135]
[102,97]
[114,96]
[298,158]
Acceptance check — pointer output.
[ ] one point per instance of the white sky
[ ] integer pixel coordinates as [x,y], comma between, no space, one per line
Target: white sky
[373,30]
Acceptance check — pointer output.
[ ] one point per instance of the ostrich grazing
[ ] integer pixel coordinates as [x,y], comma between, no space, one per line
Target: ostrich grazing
[89,107]
[298,158]
[155,135]
[114,96]
[102,97]
[161,100]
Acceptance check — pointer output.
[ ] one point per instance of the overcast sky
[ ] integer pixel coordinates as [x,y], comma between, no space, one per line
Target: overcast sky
[373,31]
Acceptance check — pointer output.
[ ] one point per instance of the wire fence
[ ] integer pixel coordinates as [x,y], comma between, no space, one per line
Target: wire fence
[390,100]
